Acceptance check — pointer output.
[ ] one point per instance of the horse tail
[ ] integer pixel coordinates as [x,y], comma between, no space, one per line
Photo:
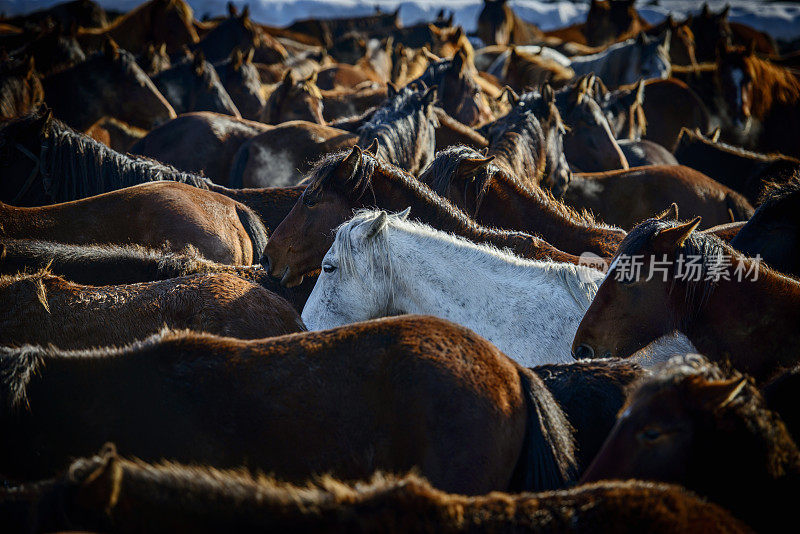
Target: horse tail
[738,207]
[236,177]
[547,460]
[255,229]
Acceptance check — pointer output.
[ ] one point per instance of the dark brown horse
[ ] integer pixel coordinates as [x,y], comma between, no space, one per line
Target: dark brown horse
[294,100]
[43,309]
[611,21]
[43,161]
[168,215]
[711,28]
[772,232]
[84,13]
[107,492]
[105,265]
[746,172]
[340,104]
[240,78]
[155,21]
[727,308]
[199,143]
[499,25]
[681,44]
[228,403]
[20,89]
[495,199]
[763,100]
[344,182]
[326,31]
[689,425]
[154,59]
[669,106]
[193,85]
[238,31]
[52,49]
[108,83]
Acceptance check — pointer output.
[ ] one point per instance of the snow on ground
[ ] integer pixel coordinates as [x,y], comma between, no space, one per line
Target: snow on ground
[781,19]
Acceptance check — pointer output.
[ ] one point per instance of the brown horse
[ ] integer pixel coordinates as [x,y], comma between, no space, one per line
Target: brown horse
[84,13]
[325,31]
[762,98]
[106,265]
[681,43]
[171,215]
[238,31]
[611,21]
[495,199]
[623,108]
[692,423]
[407,64]
[115,134]
[42,309]
[706,302]
[44,161]
[192,84]
[240,78]
[155,21]
[294,100]
[711,28]
[499,25]
[108,492]
[523,70]
[669,106]
[746,172]
[228,403]
[344,182]
[52,49]
[624,198]
[200,143]
[20,89]
[108,83]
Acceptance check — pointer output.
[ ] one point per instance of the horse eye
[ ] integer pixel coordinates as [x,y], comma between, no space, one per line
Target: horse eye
[328,268]
[649,435]
[309,202]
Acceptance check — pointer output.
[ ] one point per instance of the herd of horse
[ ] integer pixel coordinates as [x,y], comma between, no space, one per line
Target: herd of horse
[349,275]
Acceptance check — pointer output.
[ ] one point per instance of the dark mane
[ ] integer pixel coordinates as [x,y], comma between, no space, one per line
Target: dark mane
[18,89]
[774,192]
[517,139]
[708,247]
[74,166]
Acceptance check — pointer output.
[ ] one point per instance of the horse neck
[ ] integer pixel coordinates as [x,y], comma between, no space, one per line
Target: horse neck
[395,194]
[534,212]
[752,323]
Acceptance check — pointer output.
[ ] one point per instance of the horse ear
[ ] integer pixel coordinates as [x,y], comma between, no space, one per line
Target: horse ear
[373,147]
[469,166]
[451,18]
[403,215]
[110,48]
[434,30]
[312,78]
[377,225]
[430,96]
[391,90]
[674,238]
[548,96]
[349,165]
[245,13]
[706,10]
[512,96]
[669,214]
[459,61]
[248,59]
[724,13]
[232,11]
[666,38]
[670,20]
[198,61]
[640,39]
[288,78]
[717,393]
[715,135]
[430,55]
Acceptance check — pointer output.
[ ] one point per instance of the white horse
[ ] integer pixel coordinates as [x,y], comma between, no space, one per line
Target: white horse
[627,62]
[383,265]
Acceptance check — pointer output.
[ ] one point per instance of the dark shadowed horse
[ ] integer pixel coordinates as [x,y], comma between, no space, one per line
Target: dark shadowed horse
[154,59]
[669,106]
[225,402]
[52,50]
[499,25]
[344,182]
[45,161]
[193,85]
[772,232]
[169,215]
[84,13]
[238,31]
[20,88]
[108,83]
[689,425]
[199,143]
[326,31]
[762,99]
[730,307]
[746,172]
[612,21]
[202,500]
[240,78]
[494,198]
[44,309]
[711,28]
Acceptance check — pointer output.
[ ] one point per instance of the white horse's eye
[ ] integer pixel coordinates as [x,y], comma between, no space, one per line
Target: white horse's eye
[328,268]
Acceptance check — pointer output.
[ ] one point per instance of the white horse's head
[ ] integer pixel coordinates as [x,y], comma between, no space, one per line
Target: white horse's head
[356,279]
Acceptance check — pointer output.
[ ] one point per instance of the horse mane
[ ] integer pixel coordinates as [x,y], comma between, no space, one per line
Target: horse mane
[76,166]
[734,149]
[397,124]
[774,192]
[772,84]
[379,256]
[516,136]
[14,82]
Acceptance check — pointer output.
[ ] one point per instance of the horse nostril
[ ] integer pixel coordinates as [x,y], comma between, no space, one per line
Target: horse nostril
[584,351]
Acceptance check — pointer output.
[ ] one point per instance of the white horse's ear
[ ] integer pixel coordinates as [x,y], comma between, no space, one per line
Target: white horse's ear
[377,225]
[404,214]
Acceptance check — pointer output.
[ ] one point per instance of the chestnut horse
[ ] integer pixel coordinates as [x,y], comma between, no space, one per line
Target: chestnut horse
[172,215]
[626,197]
[493,198]
[42,309]
[499,25]
[612,21]
[294,99]
[689,424]
[225,402]
[43,161]
[711,28]
[706,302]
[344,182]
[108,83]
[240,78]
[670,105]
[763,99]
[177,499]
